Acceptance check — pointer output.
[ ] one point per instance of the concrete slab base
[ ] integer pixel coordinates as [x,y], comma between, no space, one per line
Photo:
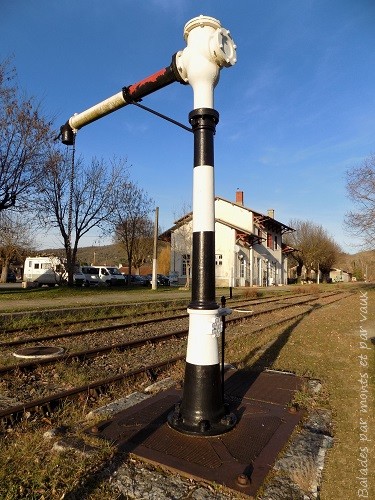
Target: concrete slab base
[238,460]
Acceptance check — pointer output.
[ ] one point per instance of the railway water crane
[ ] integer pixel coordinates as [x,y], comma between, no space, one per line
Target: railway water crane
[209,48]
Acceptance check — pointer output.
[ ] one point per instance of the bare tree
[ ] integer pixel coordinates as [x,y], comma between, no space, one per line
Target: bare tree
[130,219]
[76,200]
[24,139]
[314,248]
[15,241]
[360,185]
[164,260]
[330,253]
[143,243]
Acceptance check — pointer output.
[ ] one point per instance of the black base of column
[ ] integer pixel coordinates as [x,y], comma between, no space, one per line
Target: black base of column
[202,410]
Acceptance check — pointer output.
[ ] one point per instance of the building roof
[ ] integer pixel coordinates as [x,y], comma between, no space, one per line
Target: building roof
[264,221]
[242,234]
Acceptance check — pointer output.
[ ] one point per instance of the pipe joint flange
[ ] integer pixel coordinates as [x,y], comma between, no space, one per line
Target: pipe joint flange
[203,118]
[223,48]
[181,66]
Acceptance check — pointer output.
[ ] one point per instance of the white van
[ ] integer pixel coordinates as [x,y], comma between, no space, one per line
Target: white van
[111,275]
[44,270]
[49,271]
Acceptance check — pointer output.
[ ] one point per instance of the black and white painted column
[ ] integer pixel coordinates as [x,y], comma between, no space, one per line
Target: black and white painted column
[209,48]
[202,410]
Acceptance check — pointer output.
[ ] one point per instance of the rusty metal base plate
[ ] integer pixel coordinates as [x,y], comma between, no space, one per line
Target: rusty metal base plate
[238,460]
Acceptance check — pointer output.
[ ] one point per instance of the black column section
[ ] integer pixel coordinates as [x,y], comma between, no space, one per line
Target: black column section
[203,122]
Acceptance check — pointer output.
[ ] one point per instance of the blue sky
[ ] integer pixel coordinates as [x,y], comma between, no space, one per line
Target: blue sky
[296,111]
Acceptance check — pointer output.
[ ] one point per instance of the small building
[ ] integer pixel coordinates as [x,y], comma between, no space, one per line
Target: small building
[339,275]
[249,249]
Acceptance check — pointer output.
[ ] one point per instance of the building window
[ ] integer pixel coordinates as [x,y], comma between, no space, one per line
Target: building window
[218,259]
[36,265]
[269,241]
[185,264]
[275,247]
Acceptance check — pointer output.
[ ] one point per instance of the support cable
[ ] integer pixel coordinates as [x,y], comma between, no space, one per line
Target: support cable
[129,100]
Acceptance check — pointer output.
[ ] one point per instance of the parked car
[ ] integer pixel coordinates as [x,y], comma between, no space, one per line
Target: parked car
[161,280]
[136,279]
[79,278]
[173,278]
[91,275]
[11,276]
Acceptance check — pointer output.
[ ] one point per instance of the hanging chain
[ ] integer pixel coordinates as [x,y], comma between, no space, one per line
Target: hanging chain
[70,205]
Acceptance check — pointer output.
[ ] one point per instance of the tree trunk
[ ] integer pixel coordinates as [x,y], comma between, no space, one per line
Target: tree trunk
[4,272]
[187,284]
[71,255]
[299,271]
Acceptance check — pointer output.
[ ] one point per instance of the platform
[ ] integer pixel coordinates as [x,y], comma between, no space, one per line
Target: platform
[239,459]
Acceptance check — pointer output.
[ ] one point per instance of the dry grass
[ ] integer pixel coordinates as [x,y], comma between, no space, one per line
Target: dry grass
[251,293]
[326,345]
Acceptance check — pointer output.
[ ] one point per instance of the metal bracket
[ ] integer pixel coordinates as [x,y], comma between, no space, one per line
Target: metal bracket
[224,311]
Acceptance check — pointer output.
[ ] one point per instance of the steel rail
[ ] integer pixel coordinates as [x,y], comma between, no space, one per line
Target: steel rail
[90,353]
[109,318]
[88,331]
[18,314]
[48,403]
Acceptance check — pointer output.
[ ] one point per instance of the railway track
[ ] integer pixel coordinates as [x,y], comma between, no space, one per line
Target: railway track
[167,315]
[142,353]
[131,316]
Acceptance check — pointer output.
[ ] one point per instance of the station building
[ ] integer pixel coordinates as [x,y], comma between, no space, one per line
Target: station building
[249,248]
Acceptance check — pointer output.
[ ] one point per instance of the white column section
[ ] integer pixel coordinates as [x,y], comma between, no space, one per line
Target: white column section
[204,328]
[203,199]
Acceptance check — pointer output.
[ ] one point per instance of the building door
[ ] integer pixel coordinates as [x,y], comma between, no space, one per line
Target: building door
[243,268]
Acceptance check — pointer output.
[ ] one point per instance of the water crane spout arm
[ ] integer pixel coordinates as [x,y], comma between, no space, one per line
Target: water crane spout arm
[127,95]
[209,48]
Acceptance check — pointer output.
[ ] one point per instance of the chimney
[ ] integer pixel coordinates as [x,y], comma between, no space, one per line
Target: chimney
[271,213]
[239,197]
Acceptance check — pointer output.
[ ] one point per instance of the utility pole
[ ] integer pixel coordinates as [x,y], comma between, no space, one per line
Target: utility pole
[154,283]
